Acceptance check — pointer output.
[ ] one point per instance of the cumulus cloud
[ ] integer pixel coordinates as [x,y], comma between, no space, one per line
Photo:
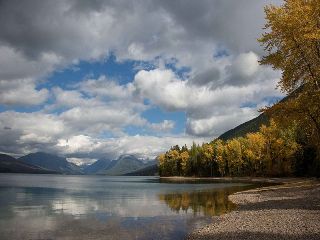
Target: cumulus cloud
[210,111]
[100,119]
[243,69]
[21,92]
[212,42]
[163,88]
[217,124]
[138,145]
[104,87]
[45,32]
[26,132]
[164,126]
[22,133]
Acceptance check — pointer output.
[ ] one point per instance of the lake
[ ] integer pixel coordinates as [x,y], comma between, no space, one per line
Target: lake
[103,207]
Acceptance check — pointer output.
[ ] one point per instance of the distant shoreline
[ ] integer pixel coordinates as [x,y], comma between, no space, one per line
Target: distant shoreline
[287,211]
[276,180]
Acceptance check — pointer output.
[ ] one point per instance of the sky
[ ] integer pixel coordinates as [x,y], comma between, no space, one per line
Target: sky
[93,79]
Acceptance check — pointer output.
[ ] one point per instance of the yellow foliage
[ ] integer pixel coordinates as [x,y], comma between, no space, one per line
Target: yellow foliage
[234,156]
[184,160]
[207,152]
[293,42]
[161,159]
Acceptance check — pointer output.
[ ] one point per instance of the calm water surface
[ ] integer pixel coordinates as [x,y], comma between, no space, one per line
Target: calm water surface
[100,207]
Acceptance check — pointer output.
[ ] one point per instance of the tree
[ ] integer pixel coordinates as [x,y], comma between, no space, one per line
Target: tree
[194,159]
[162,165]
[253,153]
[280,148]
[174,160]
[208,158]
[219,153]
[292,42]
[185,163]
[234,156]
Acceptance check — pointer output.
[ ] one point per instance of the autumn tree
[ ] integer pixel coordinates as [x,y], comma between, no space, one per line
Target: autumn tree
[208,159]
[234,156]
[195,160]
[253,153]
[280,149]
[219,153]
[292,42]
[162,164]
[174,161]
[185,163]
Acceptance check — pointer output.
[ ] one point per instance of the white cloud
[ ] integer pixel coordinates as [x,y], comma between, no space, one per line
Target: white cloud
[81,161]
[99,119]
[210,111]
[22,133]
[21,92]
[217,124]
[243,69]
[223,87]
[78,144]
[164,126]
[105,87]
[162,88]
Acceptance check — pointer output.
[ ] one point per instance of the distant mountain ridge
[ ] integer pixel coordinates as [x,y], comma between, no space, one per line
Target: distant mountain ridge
[51,162]
[99,165]
[124,164]
[9,164]
[151,170]
[41,162]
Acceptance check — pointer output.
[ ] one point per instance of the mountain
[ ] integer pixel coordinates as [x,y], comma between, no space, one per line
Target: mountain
[51,162]
[125,164]
[9,164]
[254,124]
[151,170]
[250,126]
[99,165]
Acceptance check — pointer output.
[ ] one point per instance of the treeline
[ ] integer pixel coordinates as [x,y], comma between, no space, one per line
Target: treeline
[270,152]
[291,143]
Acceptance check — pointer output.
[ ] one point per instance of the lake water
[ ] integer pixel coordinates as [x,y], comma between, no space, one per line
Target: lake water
[101,207]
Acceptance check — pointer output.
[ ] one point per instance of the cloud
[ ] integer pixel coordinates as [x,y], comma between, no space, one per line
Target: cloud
[165,126]
[21,133]
[21,92]
[45,32]
[78,144]
[26,132]
[217,124]
[72,98]
[106,88]
[243,69]
[198,57]
[101,119]
[210,111]
[163,88]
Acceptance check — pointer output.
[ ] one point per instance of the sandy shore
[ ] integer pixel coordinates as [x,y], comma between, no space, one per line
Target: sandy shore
[288,211]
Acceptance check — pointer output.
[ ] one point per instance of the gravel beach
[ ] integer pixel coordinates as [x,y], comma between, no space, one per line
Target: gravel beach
[288,211]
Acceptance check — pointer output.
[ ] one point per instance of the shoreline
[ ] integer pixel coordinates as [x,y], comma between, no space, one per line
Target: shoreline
[289,210]
[275,180]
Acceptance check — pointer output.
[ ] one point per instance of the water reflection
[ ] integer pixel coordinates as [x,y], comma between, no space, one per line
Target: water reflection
[81,207]
[199,203]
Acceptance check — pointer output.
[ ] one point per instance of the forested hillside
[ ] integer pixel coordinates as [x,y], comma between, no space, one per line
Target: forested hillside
[288,144]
